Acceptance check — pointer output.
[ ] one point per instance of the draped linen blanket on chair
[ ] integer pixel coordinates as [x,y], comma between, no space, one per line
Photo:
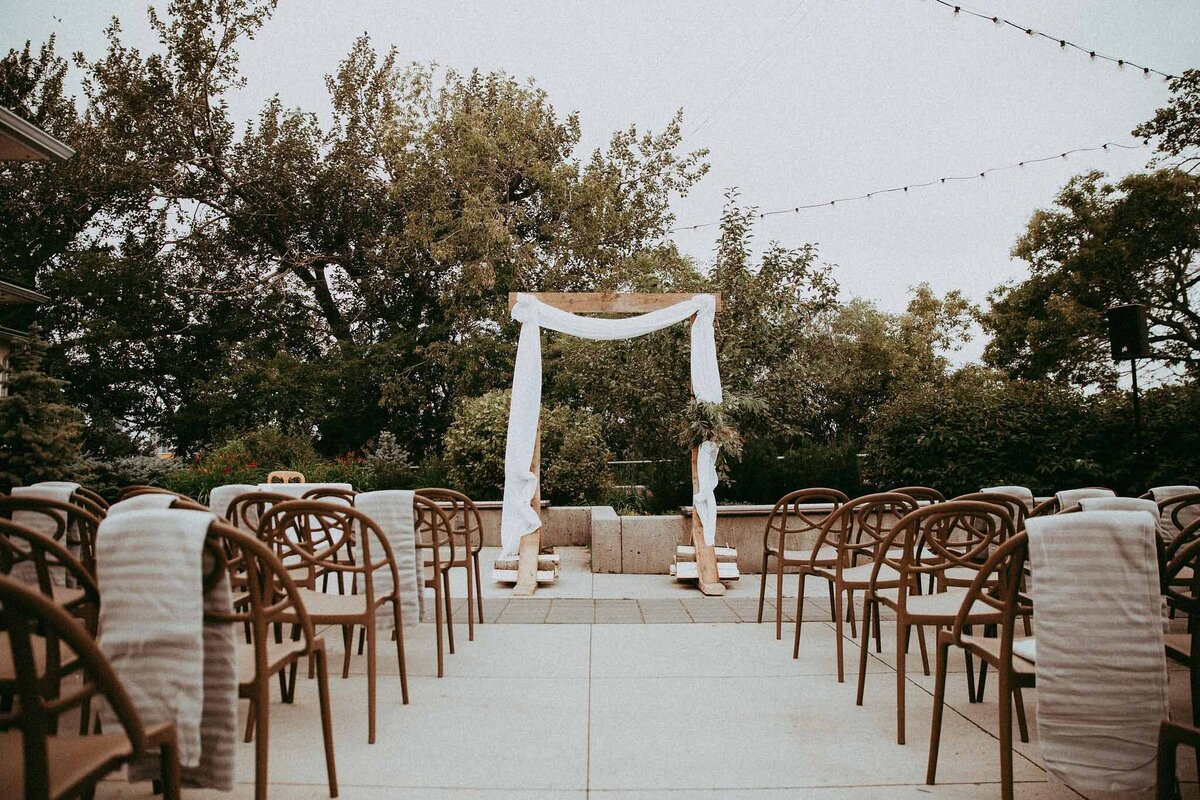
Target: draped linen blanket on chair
[518,517]
[1101,664]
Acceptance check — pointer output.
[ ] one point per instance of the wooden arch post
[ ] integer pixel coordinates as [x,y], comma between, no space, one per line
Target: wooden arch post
[610,303]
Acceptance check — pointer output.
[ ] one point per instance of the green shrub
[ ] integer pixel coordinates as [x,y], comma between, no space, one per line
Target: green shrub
[574,455]
[109,476]
[764,474]
[979,428]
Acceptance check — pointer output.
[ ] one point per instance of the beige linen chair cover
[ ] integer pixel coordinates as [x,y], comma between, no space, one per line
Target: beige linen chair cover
[392,511]
[174,667]
[1100,659]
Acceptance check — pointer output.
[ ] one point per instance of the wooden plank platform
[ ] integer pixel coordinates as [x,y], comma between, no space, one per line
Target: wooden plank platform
[687,571]
[510,576]
[687,552]
[545,561]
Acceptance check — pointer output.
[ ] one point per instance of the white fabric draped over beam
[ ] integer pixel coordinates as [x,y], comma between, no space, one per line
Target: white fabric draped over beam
[518,517]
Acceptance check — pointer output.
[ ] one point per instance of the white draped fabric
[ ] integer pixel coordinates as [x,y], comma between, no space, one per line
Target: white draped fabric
[520,484]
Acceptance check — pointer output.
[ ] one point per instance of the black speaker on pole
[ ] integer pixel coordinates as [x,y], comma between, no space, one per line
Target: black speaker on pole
[1128,333]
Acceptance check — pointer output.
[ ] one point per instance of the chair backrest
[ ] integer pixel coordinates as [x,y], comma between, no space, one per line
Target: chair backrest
[857,527]
[91,500]
[463,514]
[922,494]
[434,531]
[1185,592]
[789,515]
[19,544]
[935,538]
[309,535]
[1045,508]
[62,517]
[1016,508]
[285,476]
[330,493]
[1179,512]
[247,509]
[24,614]
[999,583]
[272,594]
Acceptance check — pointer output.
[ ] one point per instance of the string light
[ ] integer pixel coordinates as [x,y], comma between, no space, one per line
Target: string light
[905,187]
[1063,44]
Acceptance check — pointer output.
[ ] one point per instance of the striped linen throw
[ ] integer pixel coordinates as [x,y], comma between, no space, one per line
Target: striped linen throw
[220,497]
[150,566]
[1071,497]
[142,502]
[1022,493]
[1100,662]
[392,511]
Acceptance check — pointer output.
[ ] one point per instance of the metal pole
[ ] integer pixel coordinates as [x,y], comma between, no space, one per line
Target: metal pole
[1138,455]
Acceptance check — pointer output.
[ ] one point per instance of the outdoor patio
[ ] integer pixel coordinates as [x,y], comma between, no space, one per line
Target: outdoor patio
[636,686]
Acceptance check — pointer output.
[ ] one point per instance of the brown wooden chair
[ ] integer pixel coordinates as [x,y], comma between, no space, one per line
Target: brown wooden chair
[437,548]
[69,520]
[306,535]
[997,587]
[285,476]
[35,763]
[272,597]
[42,557]
[853,531]
[1181,586]
[790,518]
[346,496]
[932,540]
[922,494]
[466,525]
[1013,505]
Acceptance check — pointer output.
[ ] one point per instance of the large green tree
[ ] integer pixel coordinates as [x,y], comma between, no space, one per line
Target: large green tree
[216,274]
[1105,244]
[1110,243]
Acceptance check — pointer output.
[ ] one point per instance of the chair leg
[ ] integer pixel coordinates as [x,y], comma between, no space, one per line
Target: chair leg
[478,588]
[924,650]
[326,720]
[878,628]
[850,614]
[779,598]
[1022,726]
[437,624]
[348,641]
[169,769]
[262,719]
[799,614]
[398,635]
[470,603]
[1006,745]
[838,625]
[868,607]
[939,699]
[250,716]
[902,630]
[832,615]
[362,640]
[371,645]
[449,610]
[762,587]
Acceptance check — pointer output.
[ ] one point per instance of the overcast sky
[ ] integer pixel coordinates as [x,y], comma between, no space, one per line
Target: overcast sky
[799,102]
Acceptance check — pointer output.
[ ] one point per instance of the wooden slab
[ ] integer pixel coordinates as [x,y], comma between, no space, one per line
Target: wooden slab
[545,561]
[686,571]
[610,302]
[510,576]
[686,552]
[527,563]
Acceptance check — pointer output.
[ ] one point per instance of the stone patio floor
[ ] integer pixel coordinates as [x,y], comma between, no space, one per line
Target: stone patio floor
[584,704]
